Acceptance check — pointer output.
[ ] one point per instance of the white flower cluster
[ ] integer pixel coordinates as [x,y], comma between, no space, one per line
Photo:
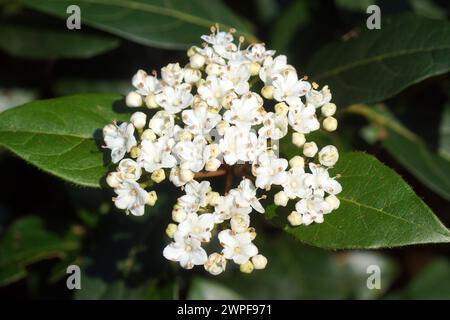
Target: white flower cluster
[206,114]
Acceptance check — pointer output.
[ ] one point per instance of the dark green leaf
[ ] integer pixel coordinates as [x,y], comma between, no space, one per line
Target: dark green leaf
[62,136]
[39,43]
[408,149]
[28,241]
[381,63]
[444,131]
[378,209]
[172,24]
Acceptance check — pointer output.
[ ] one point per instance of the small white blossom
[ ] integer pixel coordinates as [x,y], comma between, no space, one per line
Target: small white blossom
[237,246]
[269,170]
[313,209]
[145,85]
[303,118]
[120,139]
[287,87]
[200,121]
[162,122]
[175,99]
[318,98]
[274,126]
[246,111]
[328,156]
[157,154]
[214,90]
[187,251]
[172,74]
[272,67]
[197,226]
[131,198]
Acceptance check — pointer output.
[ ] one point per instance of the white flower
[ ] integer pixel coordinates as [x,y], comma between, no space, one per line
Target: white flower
[192,75]
[237,144]
[197,226]
[246,111]
[274,126]
[269,170]
[131,197]
[216,263]
[221,41]
[196,196]
[192,154]
[303,118]
[239,74]
[239,222]
[287,87]
[214,90]
[157,154]
[145,84]
[272,67]
[319,181]
[175,99]
[211,56]
[318,98]
[172,74]
[226,206]
[328,156]
[313,209]
[310,149]
[245,195]
[120,139]
[162,123]
[257,52]
[129,169]
[295,186]
[237,246]
[200,121]
[187,251]
[133,99]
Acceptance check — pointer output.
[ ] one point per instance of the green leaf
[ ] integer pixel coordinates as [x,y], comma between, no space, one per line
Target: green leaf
[380,63]
[28,241]
[432,283]
[63,136]
[444,132]
[293,18]
[175,24]
[408,149]
[378,209]
[40,43]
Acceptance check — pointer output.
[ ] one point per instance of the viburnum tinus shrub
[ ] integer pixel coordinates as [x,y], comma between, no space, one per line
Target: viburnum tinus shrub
[230,105]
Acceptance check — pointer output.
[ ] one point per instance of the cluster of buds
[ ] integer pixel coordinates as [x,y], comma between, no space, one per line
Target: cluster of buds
[227,106]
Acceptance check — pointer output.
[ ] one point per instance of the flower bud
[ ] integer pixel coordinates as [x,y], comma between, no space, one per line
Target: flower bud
[328,109]
[333,201]
[178,214]
[135,152]
[297,162]
[213,69]
[192,50]
[171,229]
[281,199]
[330,124]
[281,109]
[254,68]
[215,264]
[139,120]
[328,156]
[192,75]
[186,175]
[222,126]
[295,218]
[158,175]
[247,267]
[252,232]
[213,198]
[109,129]
[197,61]
[267,92]
[113,180]
[298,139]
[150,102]
[133,99]
[149,135]
[310,149]
[152,197]
[214,150]
[212,164]
[259,262]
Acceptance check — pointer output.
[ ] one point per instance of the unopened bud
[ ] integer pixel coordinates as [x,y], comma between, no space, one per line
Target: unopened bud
[152,197]
[158,175]
[133,99]
[330,124]
[295,218]
[259,262]
[298,139]
[281,199]
[267,92]
[310,149]
[247,267]
[171,229]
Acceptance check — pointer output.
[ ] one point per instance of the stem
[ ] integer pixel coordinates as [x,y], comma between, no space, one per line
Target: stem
[209,174]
